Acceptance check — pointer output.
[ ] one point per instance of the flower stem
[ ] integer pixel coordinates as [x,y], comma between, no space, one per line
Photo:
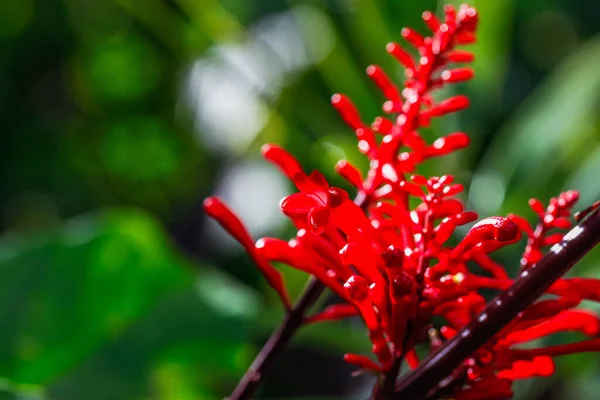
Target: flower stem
[280,338]
[277,342]
[531,284]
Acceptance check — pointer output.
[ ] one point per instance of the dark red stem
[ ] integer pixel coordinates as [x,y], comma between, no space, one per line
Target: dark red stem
[277,342]
[280,338]
[530,285]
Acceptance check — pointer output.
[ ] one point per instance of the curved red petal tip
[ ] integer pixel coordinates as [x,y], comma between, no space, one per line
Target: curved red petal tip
[506,230]
[402,285]
[209,204]
[413,37]
[336,197]
[396,51]
[393,256]
[282,159]
[362,362]
[431,20]
[457,75]
[468,17]
[419,179]
[317,219]
[455,103]
[537,206]
[357,288]
[347,110]
[383,82]
[412,189]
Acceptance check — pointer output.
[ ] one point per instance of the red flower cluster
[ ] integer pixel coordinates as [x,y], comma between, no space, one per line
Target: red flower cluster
[392,263]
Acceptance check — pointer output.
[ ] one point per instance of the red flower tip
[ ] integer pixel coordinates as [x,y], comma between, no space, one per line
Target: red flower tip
[431,21]
[336,197]
[347,110]
[350,173]
[402,285]
[362,362]
[413,37]
[460,56]
[357,288]
[317,219]
[396,51]
[393,257]
[468,17]
[333,312]
[282,159]
[537,206]
[389,90]
[457,75]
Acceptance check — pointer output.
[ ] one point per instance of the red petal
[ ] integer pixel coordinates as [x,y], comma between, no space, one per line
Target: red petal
[282,159]
[347,110]
[350,173]
[401,55]
[232,224]
[333,313]
[457,75]
[362,362]
[390,91]
[299,204]
[413,37]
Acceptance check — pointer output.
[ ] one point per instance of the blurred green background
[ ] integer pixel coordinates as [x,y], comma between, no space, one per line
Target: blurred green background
[120,116]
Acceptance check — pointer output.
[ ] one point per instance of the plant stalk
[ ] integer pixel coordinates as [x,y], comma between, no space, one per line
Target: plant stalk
[530,285]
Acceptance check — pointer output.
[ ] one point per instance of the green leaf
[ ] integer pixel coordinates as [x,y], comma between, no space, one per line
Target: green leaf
[67,292]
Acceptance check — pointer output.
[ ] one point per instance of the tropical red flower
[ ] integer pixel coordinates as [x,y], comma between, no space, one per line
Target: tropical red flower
[393,264]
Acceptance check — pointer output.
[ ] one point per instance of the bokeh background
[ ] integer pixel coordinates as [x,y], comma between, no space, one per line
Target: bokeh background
[119,116]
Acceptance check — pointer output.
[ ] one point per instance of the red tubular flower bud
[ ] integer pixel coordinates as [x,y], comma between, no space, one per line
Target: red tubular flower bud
[347,110]
[431,21]
[586,288]
[449,143]
[450,13]
[215,208]
[553,239]
[453,104]
[350,173]
[396,51]
[333,313]
[451,190]
[537,207]
[498,229]
[412,189]
[362,362]
[559,350]
[562,223]
[382,125]
[568,320]
[390,91]
[468,17]
[522,223]
[538,366]
[466,38]
[412,359]
[457,75]
[485,262]
[317,219]
[357,290]
[460,56]
[413,37]
[282,159]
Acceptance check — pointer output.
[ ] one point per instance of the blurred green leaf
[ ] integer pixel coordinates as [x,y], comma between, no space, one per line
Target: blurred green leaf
[533,147]
[65,293]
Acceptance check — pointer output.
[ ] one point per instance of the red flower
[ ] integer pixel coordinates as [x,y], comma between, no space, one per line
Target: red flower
[392,264]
